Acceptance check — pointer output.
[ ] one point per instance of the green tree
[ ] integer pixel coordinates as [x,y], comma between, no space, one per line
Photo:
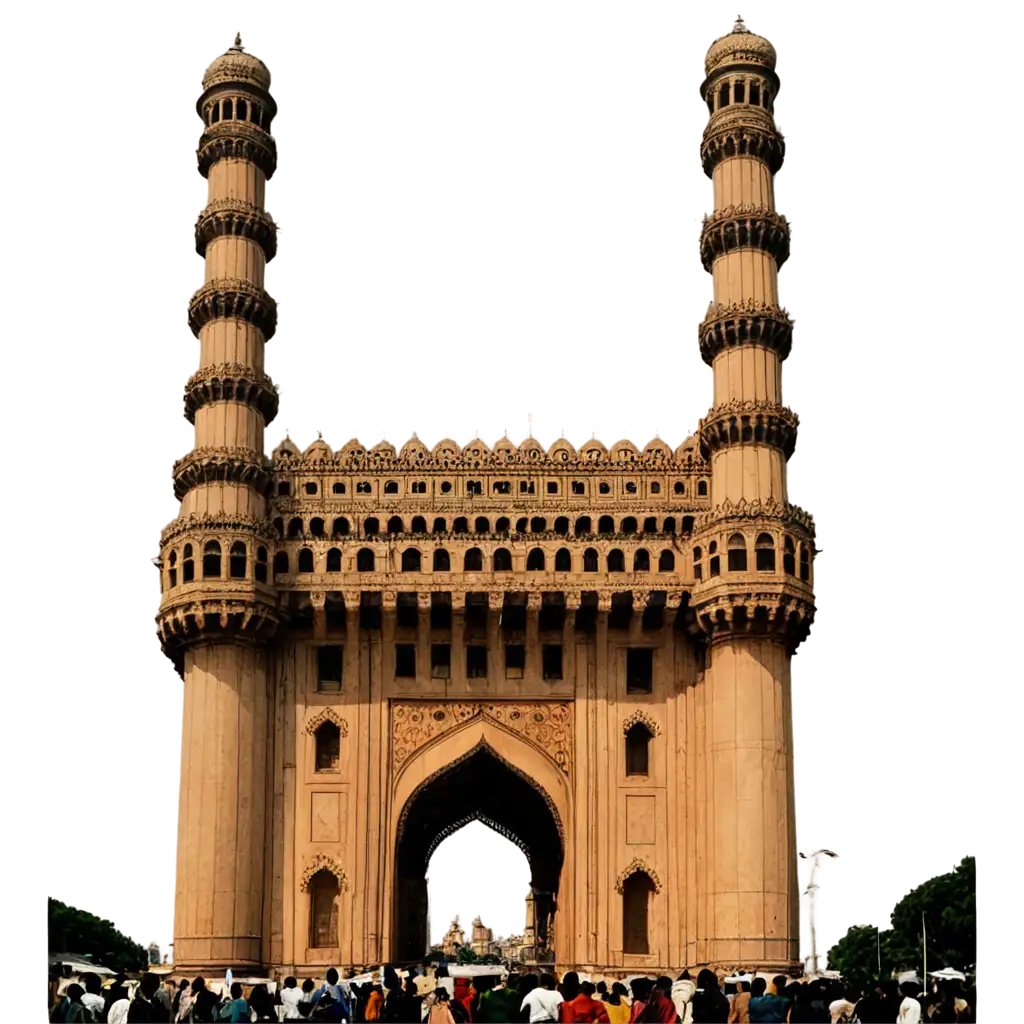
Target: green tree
[77,931]
[948,904]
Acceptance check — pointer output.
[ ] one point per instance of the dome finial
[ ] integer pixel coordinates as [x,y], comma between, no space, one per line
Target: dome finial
[238,42]
[739,26]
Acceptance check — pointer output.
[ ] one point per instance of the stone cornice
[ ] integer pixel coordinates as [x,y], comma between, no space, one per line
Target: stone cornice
[233,298]
[758,511]
[239,140]
[749,422]
[781,612]
[747,132]
[234,465]
[745,323]
[231,382]
[744,227]
[217,522]
[239,219]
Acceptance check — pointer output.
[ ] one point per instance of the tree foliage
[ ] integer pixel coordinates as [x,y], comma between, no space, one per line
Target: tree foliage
[77,931]
[948,904]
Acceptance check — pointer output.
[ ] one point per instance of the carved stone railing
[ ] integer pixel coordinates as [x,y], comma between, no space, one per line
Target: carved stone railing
[744,227]
[231,382]
[239,140]
[745,323]
[233,298]
[749,422]
[747,133]
[215,464]
[236,218]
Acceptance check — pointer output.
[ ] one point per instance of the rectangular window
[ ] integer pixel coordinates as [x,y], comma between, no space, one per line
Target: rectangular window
[552,487]
[697,571]
[738,92]
[515,660]
[407,612]
[755,94]
[713,565]
[577,487]
[474,487]
[476,661]
[440,661]
[552,661]
[405,661]
[639,669]
[328,668]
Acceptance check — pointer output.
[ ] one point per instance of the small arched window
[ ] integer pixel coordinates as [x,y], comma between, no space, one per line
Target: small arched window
[535,560]
[636,898]
[395,525]
[584,527]
[236,561]
[261,565]
[641,560]
[482,524]
[419,524]
[562,525]
[702,488]
[563,560]
[172,572]
[316,526]
[242,110]
[755,94]
[365,560]
[279,526]
[442,561]
[211,559]
[461,525]
[391,487]
[604,488]
[651,524]
[655,487]
[521,525]
[280,562]
[629,525]
[805,563]
[713,558]
[764,553]
[215,113]
[305,560]
[630,486]
[474,560]
[295,527]
[638,749]
[723,95]
[310,487]
[229,110]
[670,525]
[410,560]
[371,527]
[666,561]
[590,560]
[502,560]
[606,525]
[679,487]
[789,556]
[616,561]
[440,525]
[502,525]
[739,93]
[328,747]
[538,524]
[737,553]
[341,527]
[338,488]
[323,910]
[334,560]
[698,568]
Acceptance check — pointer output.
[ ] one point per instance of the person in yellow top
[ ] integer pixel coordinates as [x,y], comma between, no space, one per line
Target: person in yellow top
[617,1005]
[740,1011]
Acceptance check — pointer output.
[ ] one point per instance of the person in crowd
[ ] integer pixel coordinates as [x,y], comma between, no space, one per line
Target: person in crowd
[338,1006]
[145,1007]
[682,992]
[660,1009]
[601,991]
[617,1005]
[527,983]
[583,1007]
[844,1009]
[182,1002]
[487,1005]
[93,997]
[570,986]
[262,1003]
[424,983]
[236,1008]
[411,1001]
[440,1011]
[910,1007]
[204,1002]
[165,998]
[709,1002]
[374,1003]
[641,990]
[773,1005]
[463,994]
[115,993]
[739,1011]
[542,1002]
[291,995]
[69,1007]
[393,1009]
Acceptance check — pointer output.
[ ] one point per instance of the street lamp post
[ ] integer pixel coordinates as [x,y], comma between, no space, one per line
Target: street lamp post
[812,891]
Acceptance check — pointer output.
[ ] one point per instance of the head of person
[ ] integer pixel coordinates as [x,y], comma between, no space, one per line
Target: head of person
[93,983]
[236,990]
[570,985]
[547,981]
[779,984]
[642,989]
[685,976]
[441,994]
[442,971]
[290,982]
[742,986]
[332,976]
[664,984]
[909,990]
[618,994]
[757,988]
[602,989]
[707,980]
[198,985]
[74,992]
[307,985]
[183,984]
[587,988]
[149,984]
[527,983]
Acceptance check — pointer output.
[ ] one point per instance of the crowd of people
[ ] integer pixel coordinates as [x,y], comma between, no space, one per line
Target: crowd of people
[437,998]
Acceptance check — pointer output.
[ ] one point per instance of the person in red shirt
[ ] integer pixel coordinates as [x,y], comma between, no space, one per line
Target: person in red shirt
[660,1009]
[584,1008]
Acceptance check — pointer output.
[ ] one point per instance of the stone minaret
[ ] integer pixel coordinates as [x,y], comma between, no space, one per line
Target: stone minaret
[752,610]
[218,606]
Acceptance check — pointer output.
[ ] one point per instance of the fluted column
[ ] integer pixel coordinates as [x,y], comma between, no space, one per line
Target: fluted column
[216,617]
[749,600]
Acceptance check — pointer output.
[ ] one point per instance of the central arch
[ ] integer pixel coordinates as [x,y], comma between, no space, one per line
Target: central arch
[478,785]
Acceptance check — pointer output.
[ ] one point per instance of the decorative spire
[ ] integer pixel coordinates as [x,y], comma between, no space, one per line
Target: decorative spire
[238,42]
[739,26]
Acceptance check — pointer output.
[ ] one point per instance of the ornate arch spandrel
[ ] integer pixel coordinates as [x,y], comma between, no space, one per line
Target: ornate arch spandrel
[641,717]
[635,865]
[323,862]
[327,715]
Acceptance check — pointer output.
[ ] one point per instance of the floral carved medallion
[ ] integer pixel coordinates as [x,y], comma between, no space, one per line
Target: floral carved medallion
[546,724]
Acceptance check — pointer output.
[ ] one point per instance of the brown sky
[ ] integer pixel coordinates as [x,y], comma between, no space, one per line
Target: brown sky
[901,186]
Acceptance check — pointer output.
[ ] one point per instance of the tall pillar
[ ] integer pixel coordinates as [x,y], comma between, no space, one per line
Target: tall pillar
[750,600]
[218,604]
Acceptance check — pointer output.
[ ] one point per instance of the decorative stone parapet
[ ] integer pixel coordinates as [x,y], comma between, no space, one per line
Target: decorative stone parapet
[231,382]
[744,227]
[233,298]
[748,132]
[239,140]
[745,323]
[777,610]
[210,464]
[239,219]
[741,422]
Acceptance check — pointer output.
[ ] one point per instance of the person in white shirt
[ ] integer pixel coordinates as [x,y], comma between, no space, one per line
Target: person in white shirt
[291,996]
[910,1008]
[543,1001]
[682,992]
[93,998]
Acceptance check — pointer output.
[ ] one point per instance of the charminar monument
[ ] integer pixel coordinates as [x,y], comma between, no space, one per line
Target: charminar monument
[587,649]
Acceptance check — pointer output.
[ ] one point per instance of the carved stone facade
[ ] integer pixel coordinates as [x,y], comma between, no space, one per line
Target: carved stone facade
[587,649]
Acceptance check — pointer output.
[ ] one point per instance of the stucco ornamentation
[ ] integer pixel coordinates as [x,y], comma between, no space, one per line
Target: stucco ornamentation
[217,522]
[233,298]
[753,421]
[239,219]
[641,717]
[547,725]
[745,323]
[758,509]
[211,463]
[237,140]
[744,227]
[636,864]
[322,862]
[231,382]
[326,715]
[748,133]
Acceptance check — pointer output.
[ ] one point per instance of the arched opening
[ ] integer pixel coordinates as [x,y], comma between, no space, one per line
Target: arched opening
[563,560]
[538,524]
[442,561]
[502,560]
[474,561]
[261,565]
[334,560]
[702,488]
[616,561]
[364,560]
[521,525]
[295,527]
[419,524]
[323,910]
[651,524]
[211,559]
[328,747]
[338,488]
[638,740]
[535,560]
[562,525]
[316,526]
[440,525]
[480,787]
[670,524]
[637,891]
[391,487]
[764,553]
[666,561]
[410,560]
[606,525]
[341,527]
[305,560]
[236,561]
[737,553]
[371,527]
[628,525]
[172,572]
[584,527]
[805,563]
[461,525]
[502,525]
[395,525]
[590,560]
[789,556]
[280,563]
[279,526]
[641,560]
[242,110]
[482,524]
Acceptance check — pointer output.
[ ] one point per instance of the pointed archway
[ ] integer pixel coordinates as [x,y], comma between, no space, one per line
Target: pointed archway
[478,786]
